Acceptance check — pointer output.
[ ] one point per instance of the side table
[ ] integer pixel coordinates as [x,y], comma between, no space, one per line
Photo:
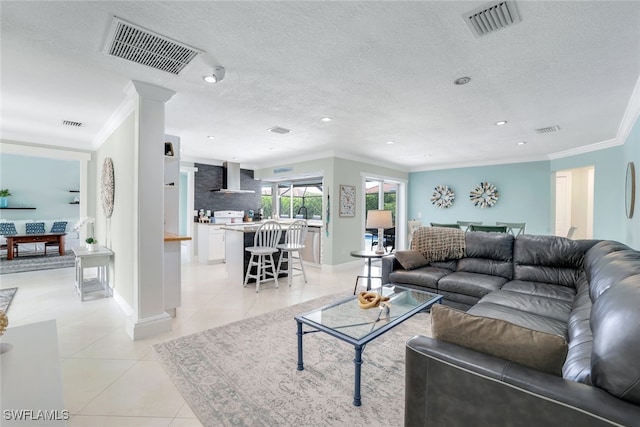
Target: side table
[98,258]
[369,255]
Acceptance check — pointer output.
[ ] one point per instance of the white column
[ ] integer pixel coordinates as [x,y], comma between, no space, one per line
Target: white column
[149,317]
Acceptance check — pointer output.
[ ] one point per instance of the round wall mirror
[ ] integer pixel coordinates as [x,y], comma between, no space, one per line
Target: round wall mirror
[630,190]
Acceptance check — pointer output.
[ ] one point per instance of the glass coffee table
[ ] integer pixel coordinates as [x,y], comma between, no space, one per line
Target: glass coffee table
[345,320]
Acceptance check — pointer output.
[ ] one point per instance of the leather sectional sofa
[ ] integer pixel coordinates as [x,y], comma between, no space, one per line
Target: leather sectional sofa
[586,291]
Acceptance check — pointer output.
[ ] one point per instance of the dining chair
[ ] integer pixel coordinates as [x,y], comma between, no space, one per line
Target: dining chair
[8,229]
[515,228]
[57,227]
[488,228]
[389,238]
[266,239]
[435,224]
[293,244]
[466,224]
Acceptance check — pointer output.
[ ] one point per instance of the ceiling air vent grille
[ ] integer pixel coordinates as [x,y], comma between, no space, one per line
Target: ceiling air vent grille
[281,131]
[71,123]
[492,17]
[136,44]
[549,129]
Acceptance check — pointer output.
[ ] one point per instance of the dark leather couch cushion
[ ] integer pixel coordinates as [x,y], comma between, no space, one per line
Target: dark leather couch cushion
[542,306]
[598,251]
[549,259]
[616,342]
[538,350]
[488,253]
[472,284]
[611,268]
[463,302]
[497,246]
[486,266]
[541,289]
[424,276]
[577,367]
[519,317]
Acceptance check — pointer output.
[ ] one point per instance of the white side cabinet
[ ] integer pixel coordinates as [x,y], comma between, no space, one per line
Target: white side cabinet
[211,245]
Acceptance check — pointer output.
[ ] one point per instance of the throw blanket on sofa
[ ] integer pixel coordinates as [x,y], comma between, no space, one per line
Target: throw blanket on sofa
[439,243]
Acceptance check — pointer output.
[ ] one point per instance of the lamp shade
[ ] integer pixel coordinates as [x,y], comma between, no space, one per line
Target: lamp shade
[379,219]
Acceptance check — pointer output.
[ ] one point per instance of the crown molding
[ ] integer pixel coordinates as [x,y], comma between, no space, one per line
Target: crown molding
[472,164]
[126,107]
[26,149]
[585,149]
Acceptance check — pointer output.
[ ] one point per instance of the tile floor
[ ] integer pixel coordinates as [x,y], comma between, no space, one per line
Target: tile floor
[108,379]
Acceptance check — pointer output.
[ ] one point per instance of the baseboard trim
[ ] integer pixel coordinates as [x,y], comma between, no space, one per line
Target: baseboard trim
[139,329]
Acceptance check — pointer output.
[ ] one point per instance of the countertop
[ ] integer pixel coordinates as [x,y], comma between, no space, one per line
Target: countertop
[170,237]
[250,227]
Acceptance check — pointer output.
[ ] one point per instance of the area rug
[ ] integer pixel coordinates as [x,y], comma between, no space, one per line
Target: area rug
[32,262]
[6,296]
[244,373]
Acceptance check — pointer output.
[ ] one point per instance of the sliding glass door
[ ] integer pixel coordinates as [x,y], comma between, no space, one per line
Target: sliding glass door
[381,194]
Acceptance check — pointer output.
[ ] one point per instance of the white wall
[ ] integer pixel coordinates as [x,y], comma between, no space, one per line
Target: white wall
[117,233]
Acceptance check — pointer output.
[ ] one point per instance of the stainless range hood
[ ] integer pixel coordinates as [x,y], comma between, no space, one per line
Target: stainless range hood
[231,179]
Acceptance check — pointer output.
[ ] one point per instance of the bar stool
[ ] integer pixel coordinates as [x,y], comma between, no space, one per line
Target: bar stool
[264,246]
[294,242]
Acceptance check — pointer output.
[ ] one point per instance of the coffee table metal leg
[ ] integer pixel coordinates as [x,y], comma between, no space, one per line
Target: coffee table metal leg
[369,276]
[299,333]
[358,362]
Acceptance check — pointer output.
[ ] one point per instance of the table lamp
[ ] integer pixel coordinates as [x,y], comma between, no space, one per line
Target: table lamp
[379,220]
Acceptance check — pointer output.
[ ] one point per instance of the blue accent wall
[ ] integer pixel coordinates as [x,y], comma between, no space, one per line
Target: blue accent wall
[42,183]
[524,188]
[608,197]
[631,153]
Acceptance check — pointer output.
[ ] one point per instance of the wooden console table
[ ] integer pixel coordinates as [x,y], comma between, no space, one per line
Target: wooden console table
[34,238]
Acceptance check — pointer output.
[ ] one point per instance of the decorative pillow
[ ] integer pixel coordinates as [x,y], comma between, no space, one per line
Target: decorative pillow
[537,350]
[35,228]
[59,227]
[7,229]
[410,260]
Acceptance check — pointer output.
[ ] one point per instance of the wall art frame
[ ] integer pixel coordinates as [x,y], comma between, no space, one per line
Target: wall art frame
[347,201]
[107,193]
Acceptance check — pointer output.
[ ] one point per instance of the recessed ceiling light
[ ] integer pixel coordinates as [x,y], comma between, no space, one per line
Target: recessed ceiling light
[210,137]
[326,119]
[521,143]
[209,79]
[390,142]
[462,81]
[501,123]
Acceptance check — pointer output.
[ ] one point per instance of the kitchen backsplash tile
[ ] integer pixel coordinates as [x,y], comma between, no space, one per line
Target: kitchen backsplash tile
[210,177]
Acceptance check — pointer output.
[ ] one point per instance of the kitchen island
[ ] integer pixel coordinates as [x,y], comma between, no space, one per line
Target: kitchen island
[240,236]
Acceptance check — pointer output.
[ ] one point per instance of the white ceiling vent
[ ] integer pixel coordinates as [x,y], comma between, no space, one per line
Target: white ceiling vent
[278,129]
[549,129]
[492,17]
[136,44]
[71,123]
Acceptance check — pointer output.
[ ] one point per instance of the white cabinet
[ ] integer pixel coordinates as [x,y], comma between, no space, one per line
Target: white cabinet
[211,244]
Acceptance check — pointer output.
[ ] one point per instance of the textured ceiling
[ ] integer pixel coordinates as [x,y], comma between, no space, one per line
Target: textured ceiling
[382,70]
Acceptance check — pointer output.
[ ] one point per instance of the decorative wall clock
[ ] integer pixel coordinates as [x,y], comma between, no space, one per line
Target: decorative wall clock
[108,187]
[442,196]
[484,195]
